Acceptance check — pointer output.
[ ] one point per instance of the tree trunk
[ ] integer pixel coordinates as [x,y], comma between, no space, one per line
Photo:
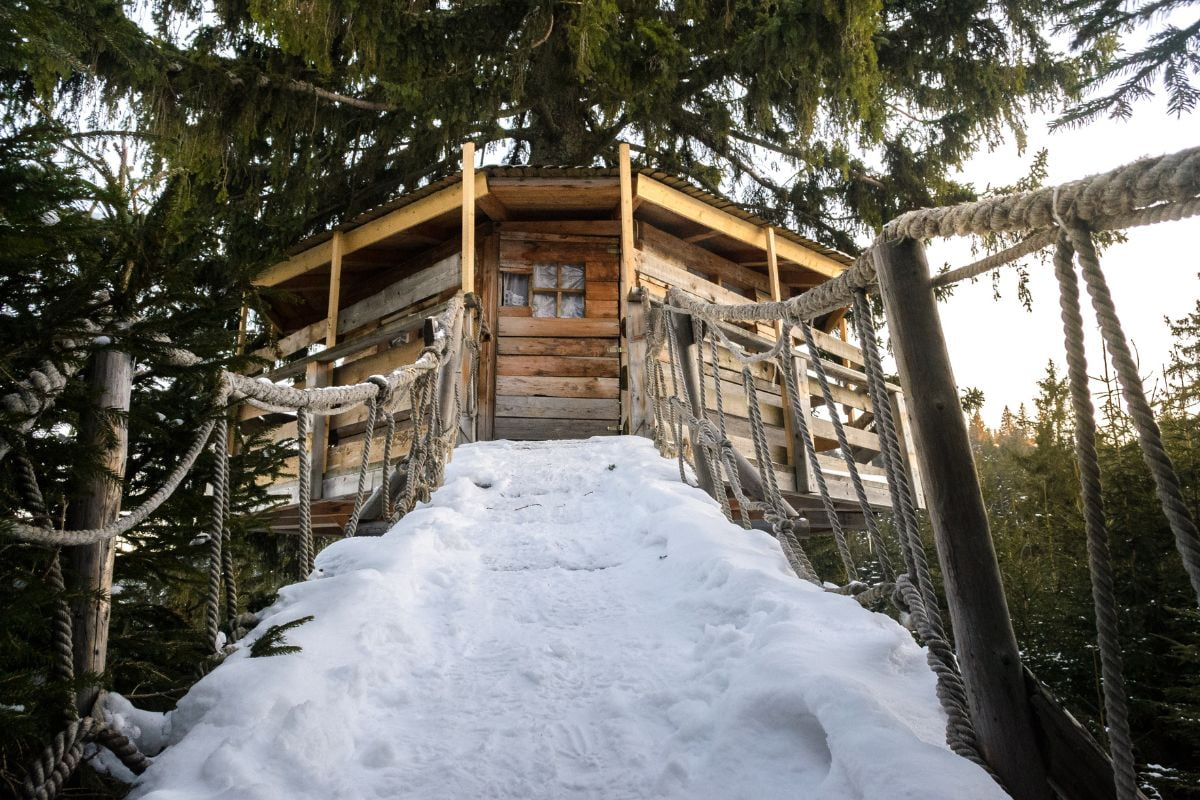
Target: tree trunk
[88,569]
[560,132]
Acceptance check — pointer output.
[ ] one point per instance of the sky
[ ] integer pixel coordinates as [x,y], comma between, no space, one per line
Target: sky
[999,347]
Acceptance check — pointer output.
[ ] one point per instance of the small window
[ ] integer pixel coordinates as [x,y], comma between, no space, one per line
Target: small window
[558,290]
[514,289]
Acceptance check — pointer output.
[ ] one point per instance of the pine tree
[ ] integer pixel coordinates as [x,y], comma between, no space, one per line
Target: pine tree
[301,113]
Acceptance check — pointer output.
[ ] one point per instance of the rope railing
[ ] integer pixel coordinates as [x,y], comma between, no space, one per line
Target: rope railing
[1146,192]
[434,430]
[913,590]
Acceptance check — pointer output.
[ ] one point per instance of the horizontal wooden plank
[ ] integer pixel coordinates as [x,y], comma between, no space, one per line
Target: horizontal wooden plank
[542,429]
[513,251]
[589,227]
[659,194]
[558,387]
[559,366]
[543,326]
[445,274]
[655,266]
[602,270]
[856,438]
[514,311]
[600,290]
[554,345]
[601,309]
[557,407]
[378,364]
[294,341]
[685,254]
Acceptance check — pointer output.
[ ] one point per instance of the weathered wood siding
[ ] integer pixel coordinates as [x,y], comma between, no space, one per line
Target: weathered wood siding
[378,333]
[559,378]
[663,261]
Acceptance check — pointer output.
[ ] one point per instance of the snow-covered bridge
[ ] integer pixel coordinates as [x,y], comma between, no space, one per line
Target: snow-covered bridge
[563,620]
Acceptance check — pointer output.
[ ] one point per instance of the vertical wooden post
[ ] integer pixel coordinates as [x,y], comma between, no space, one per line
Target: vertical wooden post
[796,449]
[986,645]
[88,569]
[490,301]
[685,348]
[468,217]
[320,374]
[633,393]
[335,290]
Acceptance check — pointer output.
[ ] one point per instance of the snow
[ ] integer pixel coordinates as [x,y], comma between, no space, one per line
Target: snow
[564,620]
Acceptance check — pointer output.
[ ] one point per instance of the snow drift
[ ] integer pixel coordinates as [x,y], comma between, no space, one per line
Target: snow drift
[565,620]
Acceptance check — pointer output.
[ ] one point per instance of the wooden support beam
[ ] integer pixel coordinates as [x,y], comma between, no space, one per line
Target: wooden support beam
[88,569]
[489,300]
[335,290]
[985,643]
[468,217]
[430,207]
[663,196]
[491,205]
[686,350]
[317,374]
[631,393]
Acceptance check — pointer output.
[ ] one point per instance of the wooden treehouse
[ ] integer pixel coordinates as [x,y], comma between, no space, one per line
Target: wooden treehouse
[559,259]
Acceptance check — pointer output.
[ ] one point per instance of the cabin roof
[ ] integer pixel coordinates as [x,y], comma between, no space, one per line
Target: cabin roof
[407,231]
[561,172]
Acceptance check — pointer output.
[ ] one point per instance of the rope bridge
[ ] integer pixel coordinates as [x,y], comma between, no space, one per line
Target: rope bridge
[1145,192]
[433,386]
[979,679]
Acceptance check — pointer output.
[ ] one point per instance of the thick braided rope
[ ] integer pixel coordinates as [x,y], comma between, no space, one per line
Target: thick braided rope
[63,634]
[1169,178]
[1166,481]
[762,452]
[718,394]
[783,526]
[1167,212]
[36,394]
[228,574]
[64,638]
[364,464]
[675,403]
[839,430]
[304,492]
[800,421]
[1149,437]
[385,479]
[216,535]
[45,535]
[915,588]
[899,483]
[1104,598]
[1145,192]
[62,756]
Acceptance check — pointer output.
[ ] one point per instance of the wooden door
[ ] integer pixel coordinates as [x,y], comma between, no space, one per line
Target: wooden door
[557,363]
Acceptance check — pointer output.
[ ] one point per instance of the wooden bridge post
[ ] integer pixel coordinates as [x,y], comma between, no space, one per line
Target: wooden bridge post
[88,569]
[685,348]
[985,643]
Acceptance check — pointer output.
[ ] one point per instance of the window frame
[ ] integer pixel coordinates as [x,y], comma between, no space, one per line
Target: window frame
[558,290]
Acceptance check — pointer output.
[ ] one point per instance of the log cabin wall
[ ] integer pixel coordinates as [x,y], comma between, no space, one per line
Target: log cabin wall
[554,294]
[378,332]
[663,261]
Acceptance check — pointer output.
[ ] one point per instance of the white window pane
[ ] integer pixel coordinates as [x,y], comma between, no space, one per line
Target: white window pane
[572,305]
[572,276]
[543,304]
[516,289]
[545,276]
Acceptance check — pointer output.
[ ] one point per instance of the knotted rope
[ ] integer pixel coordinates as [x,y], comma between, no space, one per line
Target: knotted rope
[1104,599]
